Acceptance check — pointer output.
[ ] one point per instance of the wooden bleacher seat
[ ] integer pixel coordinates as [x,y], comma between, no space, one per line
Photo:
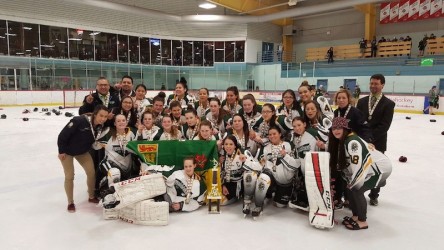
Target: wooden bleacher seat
[352,51]
[435,46]
[394,48]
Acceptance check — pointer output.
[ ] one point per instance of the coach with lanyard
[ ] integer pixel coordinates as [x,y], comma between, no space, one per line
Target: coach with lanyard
[378,110]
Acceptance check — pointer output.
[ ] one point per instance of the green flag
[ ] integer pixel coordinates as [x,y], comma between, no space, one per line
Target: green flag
[172,153]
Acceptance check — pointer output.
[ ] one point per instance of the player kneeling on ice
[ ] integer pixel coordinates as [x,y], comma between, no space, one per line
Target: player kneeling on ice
[304,140]
[279,170]
[366,168]
[232,170]
[117,165]
[185,189]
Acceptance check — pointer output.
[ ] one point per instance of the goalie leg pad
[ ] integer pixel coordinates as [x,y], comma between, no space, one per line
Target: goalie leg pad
[138,189]
[147,212]
[262,185]
[110,214]
[317,182]
[250,179]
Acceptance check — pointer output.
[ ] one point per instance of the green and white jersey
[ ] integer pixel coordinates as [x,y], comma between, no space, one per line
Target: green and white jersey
[252,117]
[365,166]
[148,134]
[232,169]
[116,152]
[304,144]
[189,132]
[201,110]
[179,186]
[282,168]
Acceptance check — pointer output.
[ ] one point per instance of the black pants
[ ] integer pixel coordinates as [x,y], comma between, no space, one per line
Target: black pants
[232,189]
[97,156]
[358,204]
[339,185]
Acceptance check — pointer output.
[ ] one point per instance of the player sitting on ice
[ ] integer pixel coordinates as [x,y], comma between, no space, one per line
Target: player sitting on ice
[185,189]
[232,170]
[117,164]
[279,170]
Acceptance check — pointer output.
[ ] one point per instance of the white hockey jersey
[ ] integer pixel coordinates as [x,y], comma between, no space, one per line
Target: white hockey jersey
[177,186]
[366,165]
[283,169]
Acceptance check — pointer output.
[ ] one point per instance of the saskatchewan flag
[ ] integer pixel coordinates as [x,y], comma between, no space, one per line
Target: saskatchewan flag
[171,155]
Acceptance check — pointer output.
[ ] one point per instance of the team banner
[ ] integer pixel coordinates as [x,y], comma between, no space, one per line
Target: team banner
[410,10]
[384,16]
[413,10]
[394,12]
[424,9]
[404,10]
[436,8]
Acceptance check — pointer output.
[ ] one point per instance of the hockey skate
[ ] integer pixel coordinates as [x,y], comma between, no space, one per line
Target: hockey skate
[257,211]
[246,209]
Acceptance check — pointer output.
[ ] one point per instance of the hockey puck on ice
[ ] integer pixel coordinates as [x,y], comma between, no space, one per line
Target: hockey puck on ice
[3,116]
[442,132]
[432,120]
[68,114]
[48,113]
[408,117]
[61,107]
[402,159]
[25,119]
[36,109]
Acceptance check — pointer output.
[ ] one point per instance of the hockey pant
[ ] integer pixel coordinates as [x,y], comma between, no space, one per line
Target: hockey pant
[299,192]
[265,182]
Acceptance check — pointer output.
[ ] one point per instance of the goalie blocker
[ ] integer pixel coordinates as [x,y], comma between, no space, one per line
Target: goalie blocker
[317,181]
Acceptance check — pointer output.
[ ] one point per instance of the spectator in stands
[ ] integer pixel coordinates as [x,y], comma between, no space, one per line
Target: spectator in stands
[432,36]
[330,55]
[382,40]
[362,46]
[422,44]
[407,39]
[374,47]
[394,39]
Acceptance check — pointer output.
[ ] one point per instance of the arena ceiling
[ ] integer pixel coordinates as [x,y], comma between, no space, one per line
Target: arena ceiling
[227,11]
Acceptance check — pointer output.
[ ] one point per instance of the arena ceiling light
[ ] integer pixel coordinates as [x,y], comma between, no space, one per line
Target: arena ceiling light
[206,5]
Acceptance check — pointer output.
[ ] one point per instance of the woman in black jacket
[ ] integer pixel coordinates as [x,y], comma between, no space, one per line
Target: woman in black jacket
[75,141]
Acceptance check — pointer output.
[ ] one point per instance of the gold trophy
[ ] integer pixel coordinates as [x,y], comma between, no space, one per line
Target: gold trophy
[214,196]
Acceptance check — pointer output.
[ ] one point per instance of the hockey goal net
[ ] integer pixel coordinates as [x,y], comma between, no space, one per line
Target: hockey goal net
[74,98]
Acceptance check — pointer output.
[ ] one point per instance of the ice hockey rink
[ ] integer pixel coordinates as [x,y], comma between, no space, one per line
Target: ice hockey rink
[33,203]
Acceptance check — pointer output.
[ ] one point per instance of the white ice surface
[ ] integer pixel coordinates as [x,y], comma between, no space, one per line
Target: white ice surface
[33,203]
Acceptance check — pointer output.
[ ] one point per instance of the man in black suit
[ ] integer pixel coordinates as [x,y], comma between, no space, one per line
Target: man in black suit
[378,110]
